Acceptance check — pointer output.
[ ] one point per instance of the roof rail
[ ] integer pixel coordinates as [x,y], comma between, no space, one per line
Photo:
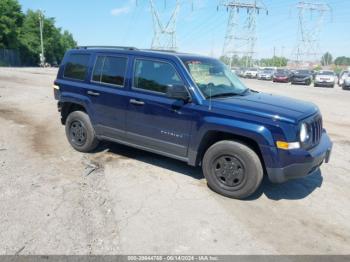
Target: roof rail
[108,47]
[161,50]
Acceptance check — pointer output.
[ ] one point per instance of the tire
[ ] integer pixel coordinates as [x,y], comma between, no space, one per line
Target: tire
[232,169]
[80,133]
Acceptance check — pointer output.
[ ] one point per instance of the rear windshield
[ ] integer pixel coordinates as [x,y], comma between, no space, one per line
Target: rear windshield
[76,66]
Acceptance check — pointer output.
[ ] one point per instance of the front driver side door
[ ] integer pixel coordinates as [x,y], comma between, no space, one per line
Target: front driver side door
[153,120]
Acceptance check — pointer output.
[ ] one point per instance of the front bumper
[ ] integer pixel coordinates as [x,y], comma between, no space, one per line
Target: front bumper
[281,80]
[301,81]
[324,83]
[265,77]
[313,158]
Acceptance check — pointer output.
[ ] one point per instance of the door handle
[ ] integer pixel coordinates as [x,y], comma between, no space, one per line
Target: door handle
[137,102]
[92,93]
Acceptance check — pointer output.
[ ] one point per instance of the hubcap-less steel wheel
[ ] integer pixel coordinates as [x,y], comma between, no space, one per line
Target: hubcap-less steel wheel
[78,133]
[229,171]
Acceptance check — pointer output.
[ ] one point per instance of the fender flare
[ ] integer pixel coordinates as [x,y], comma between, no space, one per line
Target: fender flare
[253,131]
[79,100]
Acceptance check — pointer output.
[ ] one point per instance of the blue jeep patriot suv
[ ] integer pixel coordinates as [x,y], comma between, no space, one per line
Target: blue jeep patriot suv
[191,108]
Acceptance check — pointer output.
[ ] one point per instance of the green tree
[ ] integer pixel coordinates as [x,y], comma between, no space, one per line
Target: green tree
[11,19]
[274,61]
[55,43]
[327,59]
[342,61]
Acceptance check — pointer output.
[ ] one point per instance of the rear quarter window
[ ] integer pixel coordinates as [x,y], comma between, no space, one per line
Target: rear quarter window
[76,66]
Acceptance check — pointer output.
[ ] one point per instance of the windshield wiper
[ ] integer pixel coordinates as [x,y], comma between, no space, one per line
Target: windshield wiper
[224,95]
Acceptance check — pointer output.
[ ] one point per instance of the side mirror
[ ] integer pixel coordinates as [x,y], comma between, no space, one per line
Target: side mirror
[178,92]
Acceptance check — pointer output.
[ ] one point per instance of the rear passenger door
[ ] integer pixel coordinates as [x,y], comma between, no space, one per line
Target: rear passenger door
[155,121]
[107,92]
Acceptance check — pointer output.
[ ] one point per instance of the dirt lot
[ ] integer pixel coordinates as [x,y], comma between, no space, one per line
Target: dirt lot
[137,202]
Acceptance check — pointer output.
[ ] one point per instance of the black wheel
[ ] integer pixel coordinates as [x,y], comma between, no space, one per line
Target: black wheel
[80,133]
[232,169]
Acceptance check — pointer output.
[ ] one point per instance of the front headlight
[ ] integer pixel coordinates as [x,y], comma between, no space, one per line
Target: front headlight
[304,133]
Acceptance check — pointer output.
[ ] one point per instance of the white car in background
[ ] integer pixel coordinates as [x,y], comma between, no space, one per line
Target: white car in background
[343,74]
[325,79]
[266,74]
[251,73]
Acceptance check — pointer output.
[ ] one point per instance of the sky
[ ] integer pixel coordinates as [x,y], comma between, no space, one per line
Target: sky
[201,27]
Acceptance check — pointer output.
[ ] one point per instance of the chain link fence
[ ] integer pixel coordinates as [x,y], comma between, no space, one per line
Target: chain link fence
[9,57]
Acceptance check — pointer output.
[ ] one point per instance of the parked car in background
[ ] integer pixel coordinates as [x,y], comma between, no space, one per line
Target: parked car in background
[325,78]
[265,74]
[235,70]
[343,74]
[281,76]
[251,73]
[346,82]
[302,77]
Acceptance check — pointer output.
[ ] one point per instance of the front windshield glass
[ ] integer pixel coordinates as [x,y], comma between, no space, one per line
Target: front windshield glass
[303,72]
[214,78]
[281,71]
[327,73]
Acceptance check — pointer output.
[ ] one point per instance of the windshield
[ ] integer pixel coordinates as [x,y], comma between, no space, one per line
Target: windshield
[326,73]
[213,78]
[281,71]
[303,72]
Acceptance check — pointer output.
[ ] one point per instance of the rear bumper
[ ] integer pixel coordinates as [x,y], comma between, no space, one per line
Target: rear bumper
[313,160]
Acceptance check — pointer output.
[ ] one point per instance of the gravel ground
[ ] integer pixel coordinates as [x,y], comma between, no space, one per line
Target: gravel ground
[119,200]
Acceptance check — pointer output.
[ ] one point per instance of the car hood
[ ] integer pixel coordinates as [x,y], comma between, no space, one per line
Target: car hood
[268,106]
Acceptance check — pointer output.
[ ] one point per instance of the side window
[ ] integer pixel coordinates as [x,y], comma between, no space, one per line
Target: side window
[154,75]
[77,66]
[110,70]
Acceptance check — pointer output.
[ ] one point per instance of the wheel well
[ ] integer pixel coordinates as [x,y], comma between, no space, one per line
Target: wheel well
[67,108]
[213,137]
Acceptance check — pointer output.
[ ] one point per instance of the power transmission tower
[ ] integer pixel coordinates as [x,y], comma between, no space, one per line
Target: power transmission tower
[240,38]
[311,17]
[164,37]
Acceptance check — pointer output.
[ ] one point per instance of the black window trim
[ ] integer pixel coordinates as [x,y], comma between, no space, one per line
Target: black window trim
[159,61]
[108,84]
[87,68]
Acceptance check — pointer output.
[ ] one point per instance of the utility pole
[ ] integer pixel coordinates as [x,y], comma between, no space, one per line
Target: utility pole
[41,25]
[240,38]
[164,37]
[311,17]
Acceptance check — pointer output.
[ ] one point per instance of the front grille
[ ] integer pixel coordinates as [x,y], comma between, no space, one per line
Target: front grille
[316,128]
